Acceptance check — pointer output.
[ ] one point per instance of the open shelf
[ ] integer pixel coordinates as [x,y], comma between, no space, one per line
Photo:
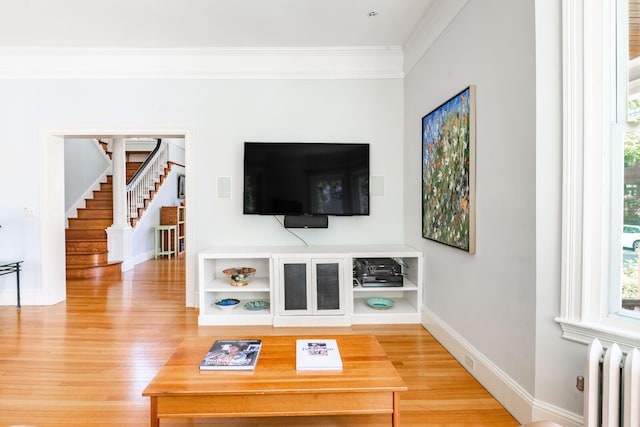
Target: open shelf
[214,286]
[402,311]
[222,284]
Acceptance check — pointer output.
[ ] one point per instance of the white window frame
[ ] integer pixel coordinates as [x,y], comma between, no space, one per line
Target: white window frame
[588,213]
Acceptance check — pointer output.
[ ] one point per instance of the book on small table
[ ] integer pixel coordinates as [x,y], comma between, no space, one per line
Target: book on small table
[232,355]
[319,354]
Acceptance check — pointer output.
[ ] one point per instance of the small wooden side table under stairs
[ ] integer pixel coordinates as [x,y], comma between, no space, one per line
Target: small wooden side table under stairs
[174,215]
[166,240]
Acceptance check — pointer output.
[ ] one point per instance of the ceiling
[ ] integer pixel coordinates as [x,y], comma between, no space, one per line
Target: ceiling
[210,23]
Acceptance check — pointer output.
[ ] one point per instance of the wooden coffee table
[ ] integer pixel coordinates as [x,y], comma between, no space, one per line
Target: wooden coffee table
[367,384]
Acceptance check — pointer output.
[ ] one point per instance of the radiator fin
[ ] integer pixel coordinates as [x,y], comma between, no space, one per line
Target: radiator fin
[611,387]
[632,388]
[592,399]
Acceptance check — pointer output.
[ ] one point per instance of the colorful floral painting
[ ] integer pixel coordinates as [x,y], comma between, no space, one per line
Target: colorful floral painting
[448,151]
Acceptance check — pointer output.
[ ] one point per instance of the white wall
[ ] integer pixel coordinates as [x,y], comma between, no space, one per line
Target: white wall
[85,164]
[488,298]
[143,234]
[216,117]
[176,150]
[499,305]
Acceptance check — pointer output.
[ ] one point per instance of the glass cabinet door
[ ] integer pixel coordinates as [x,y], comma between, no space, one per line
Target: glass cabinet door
[327,286]
[295,283]
[311,286]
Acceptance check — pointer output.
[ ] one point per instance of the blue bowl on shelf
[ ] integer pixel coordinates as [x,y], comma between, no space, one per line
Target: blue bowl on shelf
[227,303]
[380,303]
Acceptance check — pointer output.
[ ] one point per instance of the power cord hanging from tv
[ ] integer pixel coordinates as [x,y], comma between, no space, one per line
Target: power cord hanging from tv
[289,230]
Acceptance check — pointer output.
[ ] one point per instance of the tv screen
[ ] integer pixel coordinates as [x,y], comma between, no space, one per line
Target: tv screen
[306,178]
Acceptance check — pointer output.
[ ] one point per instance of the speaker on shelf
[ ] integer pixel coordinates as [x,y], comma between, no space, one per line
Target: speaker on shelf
[306,221]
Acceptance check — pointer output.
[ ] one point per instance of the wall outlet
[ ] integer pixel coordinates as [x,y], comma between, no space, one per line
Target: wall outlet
[470,362]
[28,212]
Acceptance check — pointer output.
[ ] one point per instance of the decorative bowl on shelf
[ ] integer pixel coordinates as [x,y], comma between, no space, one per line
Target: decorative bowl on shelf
[380,303]
[256,305]
[239,276]
[227,303]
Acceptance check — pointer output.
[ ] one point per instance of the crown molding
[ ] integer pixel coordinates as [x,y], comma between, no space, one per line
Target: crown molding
[206,63]
[435,21]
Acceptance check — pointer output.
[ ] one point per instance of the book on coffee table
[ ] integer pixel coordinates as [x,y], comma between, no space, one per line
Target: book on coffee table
[232,355]
[318,354]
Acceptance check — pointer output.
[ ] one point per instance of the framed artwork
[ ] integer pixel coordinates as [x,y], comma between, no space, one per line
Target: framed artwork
[448,172]
[180,186]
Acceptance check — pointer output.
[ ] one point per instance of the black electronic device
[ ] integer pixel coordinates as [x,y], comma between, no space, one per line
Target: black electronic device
[377,272]
[306,221]
[306,179]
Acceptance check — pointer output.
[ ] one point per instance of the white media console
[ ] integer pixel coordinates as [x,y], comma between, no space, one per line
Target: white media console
[307,286]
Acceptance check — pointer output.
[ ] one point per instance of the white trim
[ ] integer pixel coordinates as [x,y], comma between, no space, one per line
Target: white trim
[584,332]
[52,250]
[52,207]
[547,412]
[588,218]
[219,63]
[518,401]
[572,161]
[435,21]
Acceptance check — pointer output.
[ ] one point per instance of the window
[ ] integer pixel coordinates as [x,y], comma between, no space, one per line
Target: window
[599,198]
[628,300]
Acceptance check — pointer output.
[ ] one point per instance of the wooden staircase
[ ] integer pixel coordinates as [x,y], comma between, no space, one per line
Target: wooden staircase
[86,238]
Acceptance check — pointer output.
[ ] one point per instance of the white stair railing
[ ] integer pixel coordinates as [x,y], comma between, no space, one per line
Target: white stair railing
[139,189]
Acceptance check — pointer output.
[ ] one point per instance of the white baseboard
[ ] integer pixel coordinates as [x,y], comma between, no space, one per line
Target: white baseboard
[141,257]
[28,297]
[518,401]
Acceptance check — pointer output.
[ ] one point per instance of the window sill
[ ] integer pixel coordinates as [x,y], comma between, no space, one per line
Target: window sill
[585,332]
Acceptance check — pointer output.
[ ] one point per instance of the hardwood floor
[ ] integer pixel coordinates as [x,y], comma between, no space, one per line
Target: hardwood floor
[85,361]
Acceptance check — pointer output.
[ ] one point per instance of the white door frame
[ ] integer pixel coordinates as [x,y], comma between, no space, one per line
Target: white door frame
[53,271]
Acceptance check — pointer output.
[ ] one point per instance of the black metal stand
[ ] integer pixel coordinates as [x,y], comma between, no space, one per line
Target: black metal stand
[8,267]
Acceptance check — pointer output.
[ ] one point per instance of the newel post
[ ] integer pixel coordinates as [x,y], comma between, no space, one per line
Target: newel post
[120,233]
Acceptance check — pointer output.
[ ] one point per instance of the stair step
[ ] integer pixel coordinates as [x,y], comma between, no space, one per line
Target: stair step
[90,223]
[111,270]
[83,234]
[87,258]
[99,204]
[86,245]
[95,213]
[86,238]
[103,195]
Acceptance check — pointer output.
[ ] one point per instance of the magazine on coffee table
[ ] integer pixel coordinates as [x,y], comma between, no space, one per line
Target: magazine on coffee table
[232,355]
[317,354]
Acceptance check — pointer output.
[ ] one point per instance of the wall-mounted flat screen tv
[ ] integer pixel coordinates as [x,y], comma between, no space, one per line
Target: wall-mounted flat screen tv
[306,178]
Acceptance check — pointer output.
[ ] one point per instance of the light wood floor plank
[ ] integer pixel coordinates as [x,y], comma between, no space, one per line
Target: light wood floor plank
[85,361]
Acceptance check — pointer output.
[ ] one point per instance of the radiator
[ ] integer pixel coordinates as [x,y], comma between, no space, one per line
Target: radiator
[611,387]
